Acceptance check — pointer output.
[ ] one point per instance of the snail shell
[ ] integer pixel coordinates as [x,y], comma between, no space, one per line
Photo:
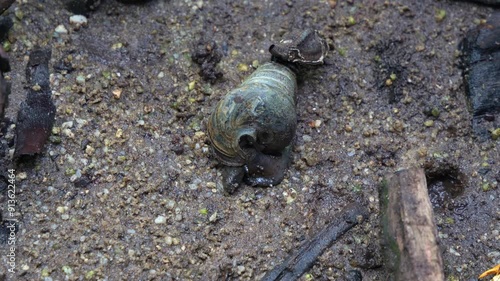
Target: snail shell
[256,118]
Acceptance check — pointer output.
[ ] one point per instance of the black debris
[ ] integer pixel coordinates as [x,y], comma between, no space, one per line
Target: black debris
[480,62]
[207,55]
[37,113]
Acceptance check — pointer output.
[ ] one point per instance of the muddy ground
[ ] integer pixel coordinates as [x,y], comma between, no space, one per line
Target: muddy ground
[127,188]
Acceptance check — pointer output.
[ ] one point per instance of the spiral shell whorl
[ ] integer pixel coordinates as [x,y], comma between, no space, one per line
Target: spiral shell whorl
[262,108]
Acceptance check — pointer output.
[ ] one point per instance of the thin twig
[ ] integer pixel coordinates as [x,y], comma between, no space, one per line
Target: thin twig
[298,263]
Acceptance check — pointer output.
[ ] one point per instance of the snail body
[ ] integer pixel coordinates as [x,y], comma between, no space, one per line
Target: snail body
[253,126]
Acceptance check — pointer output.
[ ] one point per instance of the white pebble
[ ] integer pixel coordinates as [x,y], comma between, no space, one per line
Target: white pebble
[68,133]
[68,124]
[78,20]
[160,220]
[61,29]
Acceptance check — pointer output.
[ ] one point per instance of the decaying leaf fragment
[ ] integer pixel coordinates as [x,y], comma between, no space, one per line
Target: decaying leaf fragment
[492,271]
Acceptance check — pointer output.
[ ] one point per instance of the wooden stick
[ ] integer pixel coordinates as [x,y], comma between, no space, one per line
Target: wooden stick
[299,262]
[409,233]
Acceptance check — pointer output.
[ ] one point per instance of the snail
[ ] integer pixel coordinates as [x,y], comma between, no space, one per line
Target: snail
[252,127]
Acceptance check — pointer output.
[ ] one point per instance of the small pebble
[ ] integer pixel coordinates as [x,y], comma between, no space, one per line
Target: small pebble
[315,124]
[242,67]
[89,150]
[22,175]
[454,252]
[213,217]
[160,220]
[170,204]
[68,133]
[76,175]
[240,269]
[78,21]
[117,93]
[119,133]
[61,29]
[168,240]
[67,270]
[80,79]
[68,124]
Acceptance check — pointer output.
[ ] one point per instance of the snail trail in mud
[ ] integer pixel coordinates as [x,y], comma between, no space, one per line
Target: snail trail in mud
[252,127]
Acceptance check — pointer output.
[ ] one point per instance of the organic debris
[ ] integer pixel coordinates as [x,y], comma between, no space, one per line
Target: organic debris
[207,55]
[299,262]
[36,114]
[481,69]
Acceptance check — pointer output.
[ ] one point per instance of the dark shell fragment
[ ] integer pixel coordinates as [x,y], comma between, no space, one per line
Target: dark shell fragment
[303,47]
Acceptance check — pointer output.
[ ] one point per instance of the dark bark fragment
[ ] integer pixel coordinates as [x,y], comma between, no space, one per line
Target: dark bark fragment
[481,71]
[37,113]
